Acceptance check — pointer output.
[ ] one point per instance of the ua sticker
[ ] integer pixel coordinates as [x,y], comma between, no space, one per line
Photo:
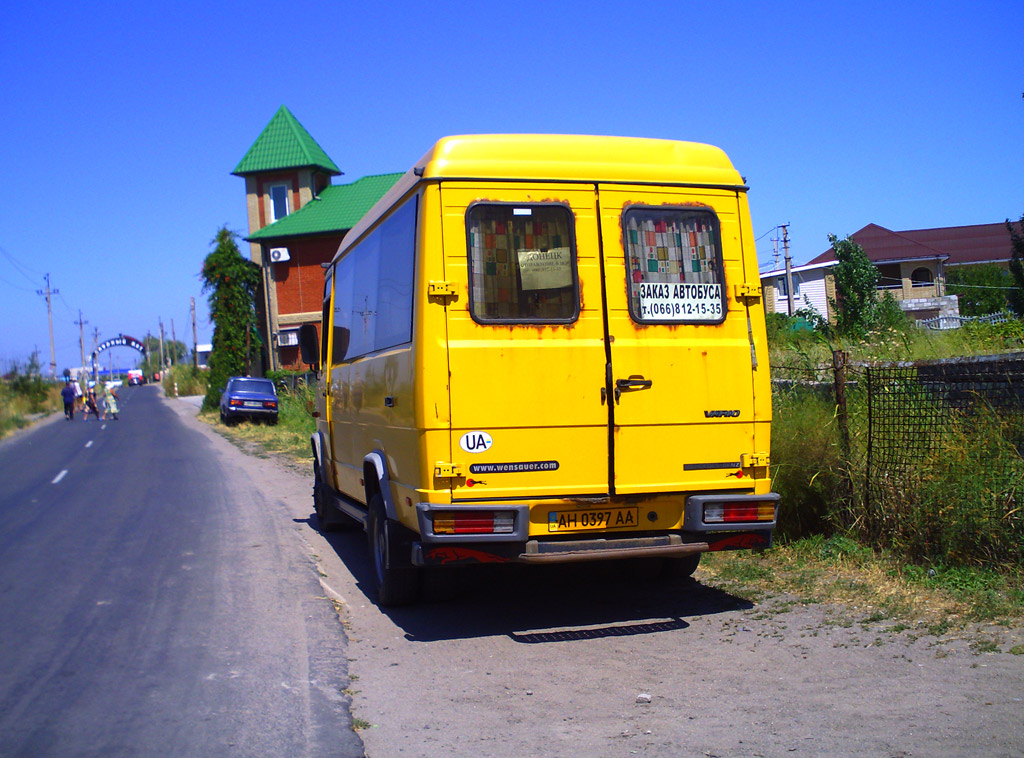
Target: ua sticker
[476,442]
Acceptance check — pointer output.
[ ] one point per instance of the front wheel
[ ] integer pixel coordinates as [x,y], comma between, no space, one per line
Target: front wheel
[329,518]
[397,580]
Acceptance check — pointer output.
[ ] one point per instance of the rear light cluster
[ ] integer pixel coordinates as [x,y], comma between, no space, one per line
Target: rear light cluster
[736,513]
[269,404]
[473,522]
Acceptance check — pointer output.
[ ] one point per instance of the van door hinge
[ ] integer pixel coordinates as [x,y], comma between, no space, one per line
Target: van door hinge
[748,460]
[450,470]
[747,291]
[442,290]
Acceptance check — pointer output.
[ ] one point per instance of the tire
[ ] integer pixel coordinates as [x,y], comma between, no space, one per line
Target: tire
[396,579]
[440,584]
[329,518]
[681,568]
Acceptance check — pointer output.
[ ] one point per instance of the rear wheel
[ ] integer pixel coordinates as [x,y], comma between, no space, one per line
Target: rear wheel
[396,578]
[681,568]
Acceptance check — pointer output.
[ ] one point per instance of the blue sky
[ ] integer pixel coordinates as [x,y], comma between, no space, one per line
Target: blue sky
[123,121]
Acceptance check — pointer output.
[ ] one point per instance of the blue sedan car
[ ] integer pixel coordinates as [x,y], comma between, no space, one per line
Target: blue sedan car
[246,397]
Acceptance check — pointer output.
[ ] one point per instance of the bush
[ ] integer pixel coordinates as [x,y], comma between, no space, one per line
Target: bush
[189,380]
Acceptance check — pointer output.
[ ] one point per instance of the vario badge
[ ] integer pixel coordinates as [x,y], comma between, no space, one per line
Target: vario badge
[476,442]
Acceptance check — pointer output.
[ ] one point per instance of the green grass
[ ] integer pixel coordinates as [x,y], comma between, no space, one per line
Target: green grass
[964,503]
[841,570]
[19,408]
[289,437]
[185,379]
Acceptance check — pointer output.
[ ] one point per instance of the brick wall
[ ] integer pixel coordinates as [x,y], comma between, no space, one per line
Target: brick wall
[300,281]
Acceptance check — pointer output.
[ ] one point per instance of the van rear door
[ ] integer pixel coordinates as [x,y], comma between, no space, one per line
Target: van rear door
[679,347]
[526,354]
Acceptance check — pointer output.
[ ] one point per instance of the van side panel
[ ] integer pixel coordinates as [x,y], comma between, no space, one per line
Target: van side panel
[430,407]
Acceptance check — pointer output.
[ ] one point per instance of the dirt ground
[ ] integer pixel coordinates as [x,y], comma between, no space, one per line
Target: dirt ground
[569,663]
[600,661]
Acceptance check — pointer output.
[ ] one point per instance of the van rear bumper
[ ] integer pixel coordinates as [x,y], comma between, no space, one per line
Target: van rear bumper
[516,545]
[619,547]
[730,507]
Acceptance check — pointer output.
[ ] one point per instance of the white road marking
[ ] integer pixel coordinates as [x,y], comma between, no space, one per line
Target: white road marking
[59,476]
[89,443]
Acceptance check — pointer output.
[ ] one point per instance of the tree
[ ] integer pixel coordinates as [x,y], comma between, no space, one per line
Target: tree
[981,289]
[232,282]
[856,281]
[1016,296]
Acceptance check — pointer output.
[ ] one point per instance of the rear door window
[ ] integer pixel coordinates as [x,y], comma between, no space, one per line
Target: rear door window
[522,262]
[674,265]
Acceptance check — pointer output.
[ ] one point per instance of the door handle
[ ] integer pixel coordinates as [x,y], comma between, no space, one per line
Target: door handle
[633,383]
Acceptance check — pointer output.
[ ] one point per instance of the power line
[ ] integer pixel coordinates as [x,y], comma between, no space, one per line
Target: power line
[20,267]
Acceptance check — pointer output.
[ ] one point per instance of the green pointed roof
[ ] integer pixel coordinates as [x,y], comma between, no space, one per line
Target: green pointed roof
[283,144]
[336,209]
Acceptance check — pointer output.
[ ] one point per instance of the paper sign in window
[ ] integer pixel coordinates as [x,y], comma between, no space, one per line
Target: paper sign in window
[545,270]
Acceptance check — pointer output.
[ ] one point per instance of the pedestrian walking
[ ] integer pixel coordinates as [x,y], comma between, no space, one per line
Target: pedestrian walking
[110,403]
[90,402]
[67,394]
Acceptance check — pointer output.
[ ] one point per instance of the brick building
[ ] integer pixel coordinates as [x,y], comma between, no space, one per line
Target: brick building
[297,219]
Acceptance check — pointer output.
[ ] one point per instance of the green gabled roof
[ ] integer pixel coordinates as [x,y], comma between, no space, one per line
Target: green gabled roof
[283,144]
[337,209]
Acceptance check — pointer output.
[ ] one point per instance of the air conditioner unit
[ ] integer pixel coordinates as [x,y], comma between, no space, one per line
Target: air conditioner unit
[279,254]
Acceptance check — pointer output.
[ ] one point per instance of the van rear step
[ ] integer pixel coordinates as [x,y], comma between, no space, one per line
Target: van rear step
[604,549]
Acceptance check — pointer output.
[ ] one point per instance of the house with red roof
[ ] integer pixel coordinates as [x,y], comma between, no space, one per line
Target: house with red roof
[297,219]
[912,265]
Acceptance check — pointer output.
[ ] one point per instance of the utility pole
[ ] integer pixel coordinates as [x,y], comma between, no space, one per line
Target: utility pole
[789,266]
[95,358]
[174,340]
[195,344]
[163,366]
[81,336]
[775,251]
[49,315]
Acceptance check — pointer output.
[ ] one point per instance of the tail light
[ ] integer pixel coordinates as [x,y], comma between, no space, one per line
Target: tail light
[473,522]
[737,513]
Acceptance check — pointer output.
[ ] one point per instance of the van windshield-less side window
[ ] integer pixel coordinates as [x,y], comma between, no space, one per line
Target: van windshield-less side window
[522,264]
[373,288]
[674,261]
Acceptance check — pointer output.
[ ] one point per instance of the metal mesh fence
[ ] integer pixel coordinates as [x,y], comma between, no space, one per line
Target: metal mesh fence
[921,414]
[897,426]
[910,406]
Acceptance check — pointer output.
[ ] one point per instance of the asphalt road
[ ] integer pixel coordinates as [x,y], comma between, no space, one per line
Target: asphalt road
[168,596]
[155,601]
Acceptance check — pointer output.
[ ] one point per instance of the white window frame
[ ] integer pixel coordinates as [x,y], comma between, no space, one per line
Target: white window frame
[288,338]
[270,201]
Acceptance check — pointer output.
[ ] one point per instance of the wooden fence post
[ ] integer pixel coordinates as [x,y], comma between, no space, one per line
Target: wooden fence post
[842,419]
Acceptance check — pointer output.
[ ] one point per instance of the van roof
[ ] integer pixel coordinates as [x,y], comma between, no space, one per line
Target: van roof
[568,157]
[560,158]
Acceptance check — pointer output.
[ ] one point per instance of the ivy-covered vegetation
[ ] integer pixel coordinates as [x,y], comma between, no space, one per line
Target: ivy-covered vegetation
[232,282]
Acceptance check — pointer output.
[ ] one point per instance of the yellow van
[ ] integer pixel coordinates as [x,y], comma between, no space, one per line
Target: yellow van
[539,349]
